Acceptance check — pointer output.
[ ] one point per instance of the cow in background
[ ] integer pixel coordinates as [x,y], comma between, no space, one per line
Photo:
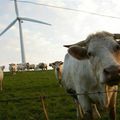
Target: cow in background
[57,66]
[93,66]
[21,67]
[13,68]
[42,66]
[30,66]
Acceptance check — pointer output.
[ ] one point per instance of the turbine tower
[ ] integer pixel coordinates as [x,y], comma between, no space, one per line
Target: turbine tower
[20,19]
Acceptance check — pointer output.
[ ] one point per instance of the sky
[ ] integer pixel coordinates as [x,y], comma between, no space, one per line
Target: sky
[44,43]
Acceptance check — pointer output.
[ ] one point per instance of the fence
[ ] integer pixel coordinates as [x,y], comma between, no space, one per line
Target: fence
[42,99]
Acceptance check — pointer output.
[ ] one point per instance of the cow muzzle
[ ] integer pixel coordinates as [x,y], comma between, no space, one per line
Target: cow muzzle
[112,75]
[57,69]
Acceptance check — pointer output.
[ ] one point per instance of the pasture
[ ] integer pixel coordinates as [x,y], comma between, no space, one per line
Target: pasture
[20,98]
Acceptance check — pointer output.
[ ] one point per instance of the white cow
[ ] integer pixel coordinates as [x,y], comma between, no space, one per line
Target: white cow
[13,68]
[42,66]
[1,79]
[57,66]
[21,67]
[30,66]
[93,66]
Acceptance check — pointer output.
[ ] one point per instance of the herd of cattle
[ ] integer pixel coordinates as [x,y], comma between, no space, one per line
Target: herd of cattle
[90,73]
[26,66]
[13,68]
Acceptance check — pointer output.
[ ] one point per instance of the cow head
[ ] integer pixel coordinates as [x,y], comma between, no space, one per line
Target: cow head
[56,65]
[102,50]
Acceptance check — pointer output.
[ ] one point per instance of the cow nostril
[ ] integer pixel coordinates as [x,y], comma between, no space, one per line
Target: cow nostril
[106,71]
[57,69]
[112,70]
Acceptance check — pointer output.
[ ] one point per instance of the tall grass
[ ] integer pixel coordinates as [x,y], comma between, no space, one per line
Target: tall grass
[24,90]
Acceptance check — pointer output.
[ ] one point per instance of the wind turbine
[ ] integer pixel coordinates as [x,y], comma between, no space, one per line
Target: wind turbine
[20,19]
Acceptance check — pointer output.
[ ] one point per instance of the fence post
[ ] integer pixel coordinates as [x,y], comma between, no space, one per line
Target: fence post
[44,108]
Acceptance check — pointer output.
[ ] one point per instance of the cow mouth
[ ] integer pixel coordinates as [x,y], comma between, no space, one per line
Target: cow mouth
[112,80]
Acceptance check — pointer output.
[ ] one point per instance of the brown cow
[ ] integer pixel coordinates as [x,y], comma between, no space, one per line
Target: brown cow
[57,66]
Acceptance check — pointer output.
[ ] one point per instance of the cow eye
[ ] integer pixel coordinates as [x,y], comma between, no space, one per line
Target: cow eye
[117,47]
[90,54]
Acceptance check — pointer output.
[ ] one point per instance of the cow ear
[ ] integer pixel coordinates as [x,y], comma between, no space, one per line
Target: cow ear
[78,52]
[61,62]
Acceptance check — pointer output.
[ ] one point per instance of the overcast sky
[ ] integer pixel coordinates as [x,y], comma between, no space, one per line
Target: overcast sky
[45,43]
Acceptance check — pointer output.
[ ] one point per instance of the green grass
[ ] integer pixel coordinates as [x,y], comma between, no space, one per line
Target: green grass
[25,89]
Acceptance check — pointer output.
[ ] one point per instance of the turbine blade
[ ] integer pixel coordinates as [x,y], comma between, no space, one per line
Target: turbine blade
[33,20]
[9,26]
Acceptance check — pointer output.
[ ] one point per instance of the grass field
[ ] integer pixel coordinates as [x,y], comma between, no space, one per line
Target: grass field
[21,98]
